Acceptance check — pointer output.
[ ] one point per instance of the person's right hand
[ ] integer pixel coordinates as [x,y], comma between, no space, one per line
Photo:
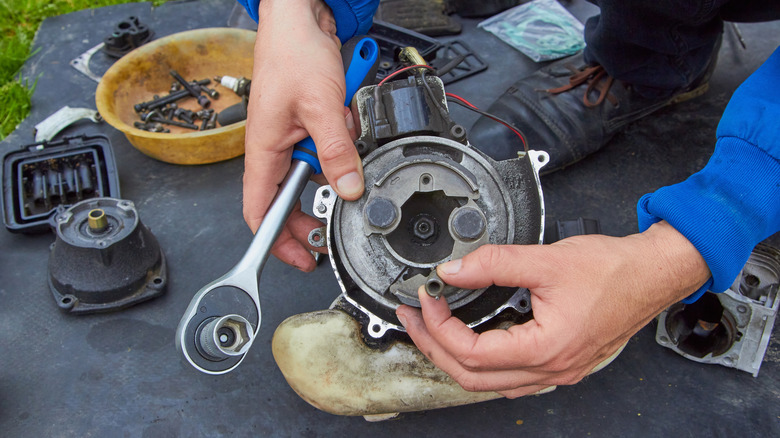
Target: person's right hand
[298,90]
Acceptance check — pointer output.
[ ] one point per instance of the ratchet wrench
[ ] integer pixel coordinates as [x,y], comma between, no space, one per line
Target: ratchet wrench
[223,317]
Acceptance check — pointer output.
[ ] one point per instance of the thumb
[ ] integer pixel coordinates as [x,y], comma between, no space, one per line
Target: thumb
[502,265]
[340,161]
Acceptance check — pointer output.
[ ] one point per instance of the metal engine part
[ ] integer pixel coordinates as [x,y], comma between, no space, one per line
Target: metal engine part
[732,328]
[104,258]
[430,197]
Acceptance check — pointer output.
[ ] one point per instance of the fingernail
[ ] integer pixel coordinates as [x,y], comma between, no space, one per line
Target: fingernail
[402,319]
[451,268]
[350,184]
[350,122]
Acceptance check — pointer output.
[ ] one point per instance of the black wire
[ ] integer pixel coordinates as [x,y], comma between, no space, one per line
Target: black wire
[444,113]
[490,116]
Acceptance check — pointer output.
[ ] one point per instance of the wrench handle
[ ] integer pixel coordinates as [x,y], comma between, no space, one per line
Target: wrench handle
[289,192]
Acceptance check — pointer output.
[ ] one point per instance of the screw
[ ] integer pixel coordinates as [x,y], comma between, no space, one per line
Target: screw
[212,122]
[468,224]
[380,212]
[204,114]
[172,123]
[214,94]
[151,127]
[184,114]
[193,89]
[161,101]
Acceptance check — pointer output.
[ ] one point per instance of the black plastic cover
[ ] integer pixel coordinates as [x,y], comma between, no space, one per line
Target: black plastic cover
[42,177]
[128,34]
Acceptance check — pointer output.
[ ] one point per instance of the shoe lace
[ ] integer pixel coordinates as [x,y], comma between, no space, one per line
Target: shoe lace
[596,78]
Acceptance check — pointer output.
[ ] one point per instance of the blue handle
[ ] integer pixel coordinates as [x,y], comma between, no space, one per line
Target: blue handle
[361,56]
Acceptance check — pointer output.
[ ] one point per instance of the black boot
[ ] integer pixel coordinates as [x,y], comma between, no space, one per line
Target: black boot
[570,110]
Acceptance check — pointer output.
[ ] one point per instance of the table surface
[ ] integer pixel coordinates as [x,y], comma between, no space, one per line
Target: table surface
[119,374]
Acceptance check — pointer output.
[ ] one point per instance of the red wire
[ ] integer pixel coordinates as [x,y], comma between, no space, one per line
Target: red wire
[512,128]
[401,70]
[455,96]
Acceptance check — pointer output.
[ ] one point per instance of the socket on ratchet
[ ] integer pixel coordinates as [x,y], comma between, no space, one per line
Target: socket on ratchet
[223,318]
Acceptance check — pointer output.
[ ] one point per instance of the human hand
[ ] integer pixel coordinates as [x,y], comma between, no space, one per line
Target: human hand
[297,91]
[589,295]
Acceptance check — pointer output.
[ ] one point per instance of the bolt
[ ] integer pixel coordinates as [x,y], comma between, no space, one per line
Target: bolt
[424,227]
[468,224]
[161,101]
[212,122]
[172,122]
[151,127]
[184,114]
[193,88]
[204,114]
[380,212]
[170,110]
[322,208]
[214,94]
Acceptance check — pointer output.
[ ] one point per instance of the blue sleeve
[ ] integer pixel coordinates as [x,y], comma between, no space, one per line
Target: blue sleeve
[353,17]
[733,203]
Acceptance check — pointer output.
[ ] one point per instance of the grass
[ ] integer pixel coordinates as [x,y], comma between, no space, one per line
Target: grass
[19,20]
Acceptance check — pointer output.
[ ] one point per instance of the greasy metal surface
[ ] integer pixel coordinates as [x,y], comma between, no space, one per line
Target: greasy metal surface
[118,374]
[376,258]
[144,72]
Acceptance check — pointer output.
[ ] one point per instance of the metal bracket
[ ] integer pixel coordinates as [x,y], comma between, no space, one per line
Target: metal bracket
[64,117]
[81,62]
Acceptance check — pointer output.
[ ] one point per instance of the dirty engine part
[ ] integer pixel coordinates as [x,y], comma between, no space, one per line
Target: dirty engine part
[42,177]
[128,34]
[104,258]
[430,197]
[732,328]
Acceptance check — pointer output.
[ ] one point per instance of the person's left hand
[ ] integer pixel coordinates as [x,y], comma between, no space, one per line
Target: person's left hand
[589,295]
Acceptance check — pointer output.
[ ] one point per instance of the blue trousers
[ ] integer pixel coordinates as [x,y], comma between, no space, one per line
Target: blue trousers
[662,46]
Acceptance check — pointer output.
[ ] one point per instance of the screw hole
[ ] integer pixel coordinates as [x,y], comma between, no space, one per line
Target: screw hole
[426,179]
[524,303]
[361,147]
[67,300]
[326,193]
[375,328]
[157,280]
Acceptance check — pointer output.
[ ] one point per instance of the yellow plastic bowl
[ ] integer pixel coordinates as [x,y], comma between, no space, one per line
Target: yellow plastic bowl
[144,72]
